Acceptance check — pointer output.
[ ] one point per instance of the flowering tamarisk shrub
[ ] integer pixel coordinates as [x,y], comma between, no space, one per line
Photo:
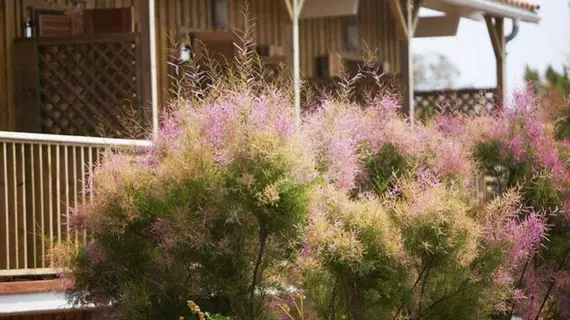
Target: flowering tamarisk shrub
[207,214]
[399,234]
[371,217]
[521,151]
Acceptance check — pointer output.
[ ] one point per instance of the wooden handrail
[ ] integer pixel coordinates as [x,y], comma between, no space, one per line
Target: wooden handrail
[10,136]
[82,39]
[458,91]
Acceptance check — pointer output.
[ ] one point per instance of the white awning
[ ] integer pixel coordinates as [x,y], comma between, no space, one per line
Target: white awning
[471,9]
[466,8]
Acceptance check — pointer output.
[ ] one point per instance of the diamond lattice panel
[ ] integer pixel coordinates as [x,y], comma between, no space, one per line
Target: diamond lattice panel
[86,87]
[467,101]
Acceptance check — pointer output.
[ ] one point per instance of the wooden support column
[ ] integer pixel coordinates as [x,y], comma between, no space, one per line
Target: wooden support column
[148,58]
[406,15]
[496,29]
[294,7]
[143,72]
[406,78]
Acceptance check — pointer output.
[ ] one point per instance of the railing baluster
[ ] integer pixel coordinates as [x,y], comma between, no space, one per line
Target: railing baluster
[67,212]
[50,197]
[90,174]
[7,205]
[24,211]
[34,203]
[42,204]
[75,199]
[15,180]
[83,182]
[58,189]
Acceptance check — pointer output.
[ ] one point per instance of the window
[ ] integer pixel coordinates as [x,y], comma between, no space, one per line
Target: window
[221,13]
[352,38]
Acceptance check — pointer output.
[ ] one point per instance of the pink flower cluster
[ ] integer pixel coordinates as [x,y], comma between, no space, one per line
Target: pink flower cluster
[344,134]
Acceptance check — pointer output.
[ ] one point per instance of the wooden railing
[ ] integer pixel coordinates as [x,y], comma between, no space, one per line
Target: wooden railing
[42,179]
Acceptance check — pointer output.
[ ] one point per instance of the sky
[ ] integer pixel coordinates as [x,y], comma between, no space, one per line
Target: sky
[536,45]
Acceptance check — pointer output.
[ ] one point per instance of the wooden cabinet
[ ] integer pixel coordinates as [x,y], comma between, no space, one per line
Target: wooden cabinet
[108,21]
[79,22]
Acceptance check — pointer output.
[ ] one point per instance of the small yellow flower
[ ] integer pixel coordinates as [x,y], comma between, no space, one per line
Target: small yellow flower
[193,306]
[269,196]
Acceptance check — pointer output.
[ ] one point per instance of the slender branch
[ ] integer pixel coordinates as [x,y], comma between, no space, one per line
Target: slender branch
[354,305]
[510,316]
[551,286]
[424,282]
[333,299]
[442,299]
[420,275]
[262,242]
[545,299]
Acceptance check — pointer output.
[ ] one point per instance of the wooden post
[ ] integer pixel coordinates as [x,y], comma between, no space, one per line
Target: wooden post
[496,29]
[148,61]
[9,36]
[407,20]
[27,86]
[295,11]
[407,78]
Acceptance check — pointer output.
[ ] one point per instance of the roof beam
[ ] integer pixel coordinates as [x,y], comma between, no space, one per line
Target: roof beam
[398,13]
[407,18]
[497,39]
[289,8]
[496,28]
[415,16]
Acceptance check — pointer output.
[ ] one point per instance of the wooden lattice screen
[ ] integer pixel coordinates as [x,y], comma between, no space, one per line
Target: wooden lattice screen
[88,86]
[466,101]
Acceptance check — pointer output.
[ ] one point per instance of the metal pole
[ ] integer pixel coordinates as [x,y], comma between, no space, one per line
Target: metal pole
[153,69]
[296,62]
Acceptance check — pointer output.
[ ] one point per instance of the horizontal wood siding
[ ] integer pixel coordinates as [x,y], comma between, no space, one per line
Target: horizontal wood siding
[271,21]
[8,20]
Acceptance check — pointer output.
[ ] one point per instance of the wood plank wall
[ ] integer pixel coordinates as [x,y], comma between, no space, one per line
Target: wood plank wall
[318,36]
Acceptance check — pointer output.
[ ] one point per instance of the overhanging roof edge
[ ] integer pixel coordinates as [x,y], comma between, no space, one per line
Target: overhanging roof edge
[495,9]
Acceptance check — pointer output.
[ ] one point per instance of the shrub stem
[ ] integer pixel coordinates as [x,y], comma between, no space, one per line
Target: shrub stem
[262,242]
